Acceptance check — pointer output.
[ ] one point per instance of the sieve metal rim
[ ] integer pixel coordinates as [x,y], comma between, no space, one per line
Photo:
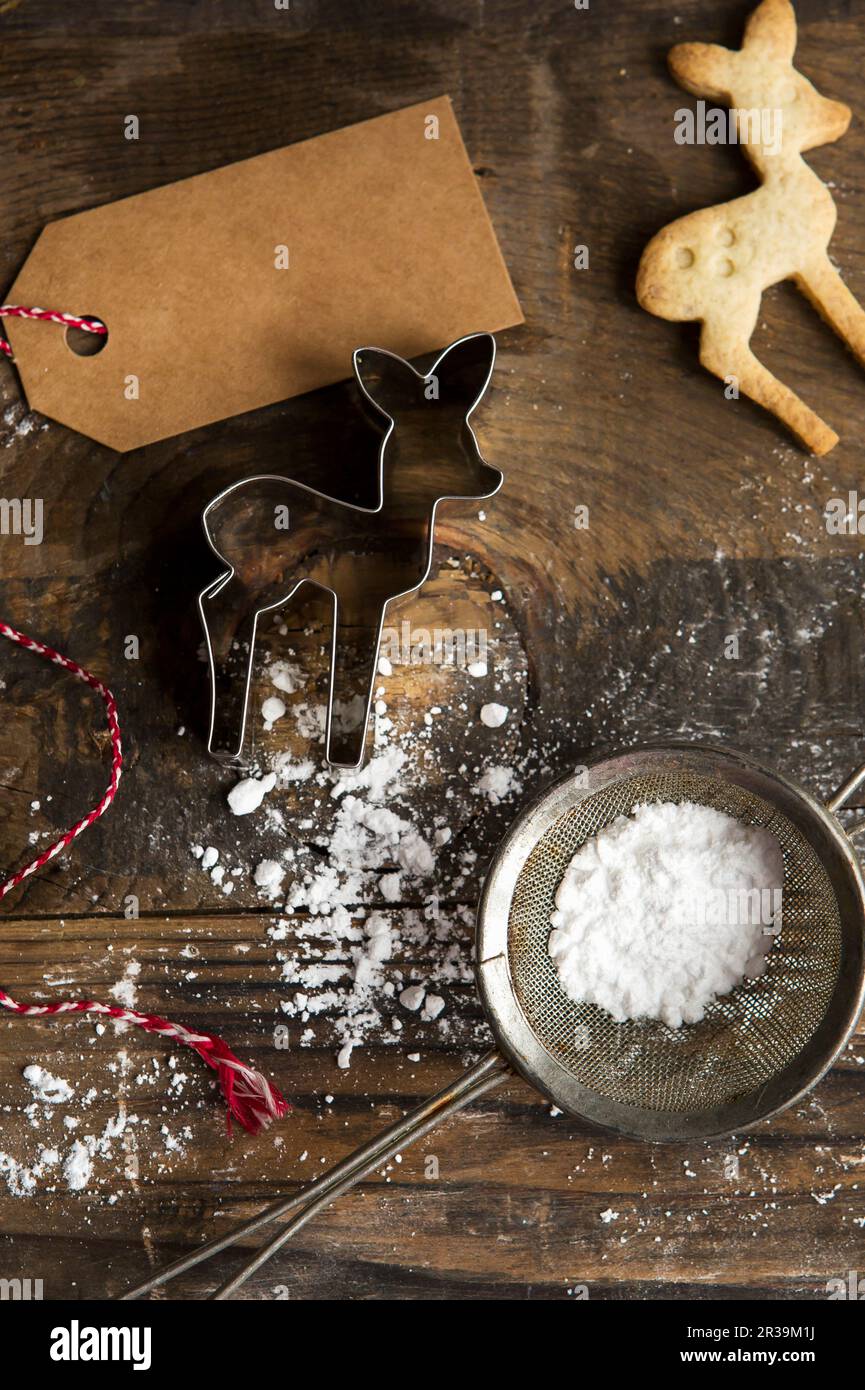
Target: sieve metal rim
[514,1034]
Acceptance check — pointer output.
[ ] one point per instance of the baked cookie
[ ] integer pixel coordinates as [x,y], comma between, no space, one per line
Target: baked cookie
[714,264]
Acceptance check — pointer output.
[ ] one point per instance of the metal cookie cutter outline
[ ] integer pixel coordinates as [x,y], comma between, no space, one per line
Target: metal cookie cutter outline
[234,756]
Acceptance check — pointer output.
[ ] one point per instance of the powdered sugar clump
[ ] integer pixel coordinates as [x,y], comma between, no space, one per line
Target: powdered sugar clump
[51,1090]
[272,709]
[247,794]
[494,715]
[497,783]
[78,1168]
[268,877]
[126,990]
[286,677]
[433,1005]
[412,997]
[657,914]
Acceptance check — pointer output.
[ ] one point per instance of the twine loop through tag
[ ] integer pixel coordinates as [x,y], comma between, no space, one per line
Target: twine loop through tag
[19,311]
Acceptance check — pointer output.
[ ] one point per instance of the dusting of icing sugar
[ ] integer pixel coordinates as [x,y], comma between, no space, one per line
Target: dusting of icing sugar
[498,783]
[125,991]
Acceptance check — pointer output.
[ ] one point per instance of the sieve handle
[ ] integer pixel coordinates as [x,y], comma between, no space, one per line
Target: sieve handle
[473,1083]
[487,1073]
[847,790]
[854,831]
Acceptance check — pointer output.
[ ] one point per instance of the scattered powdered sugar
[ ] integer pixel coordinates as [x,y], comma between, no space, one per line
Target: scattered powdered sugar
[348,973]
[78,1167]
[286,677]
[289,769]
[75,1149]
[665,910]
[349,855]
[412,998]
[20,1180]
[125,991]
[378,778]
[268,876]
[208,861]
[51,1090]
[272,709]
[349,874]
[365,836]
[494,715]
[247,794]
[497,783]
[17,423]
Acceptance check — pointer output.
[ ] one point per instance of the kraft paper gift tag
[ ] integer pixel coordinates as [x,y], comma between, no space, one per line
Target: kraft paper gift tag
[241,287]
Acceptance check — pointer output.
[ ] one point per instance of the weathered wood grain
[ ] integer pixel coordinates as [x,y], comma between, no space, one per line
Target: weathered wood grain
[705,521]
[516,1187]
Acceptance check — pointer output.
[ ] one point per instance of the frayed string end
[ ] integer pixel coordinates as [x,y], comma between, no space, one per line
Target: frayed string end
[252,1100]
[250,1097]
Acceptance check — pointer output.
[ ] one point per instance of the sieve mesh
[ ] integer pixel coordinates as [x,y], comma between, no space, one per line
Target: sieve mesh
[747,1036]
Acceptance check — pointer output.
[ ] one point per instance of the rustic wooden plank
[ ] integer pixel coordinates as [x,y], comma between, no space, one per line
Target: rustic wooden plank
[516,1189]
[705,521]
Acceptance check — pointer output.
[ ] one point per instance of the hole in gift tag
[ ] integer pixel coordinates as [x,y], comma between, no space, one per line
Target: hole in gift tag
[88,326]
[86,342]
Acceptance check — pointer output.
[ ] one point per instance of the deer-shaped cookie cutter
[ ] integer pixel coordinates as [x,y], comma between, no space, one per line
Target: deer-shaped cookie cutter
[275,535]
[714,265]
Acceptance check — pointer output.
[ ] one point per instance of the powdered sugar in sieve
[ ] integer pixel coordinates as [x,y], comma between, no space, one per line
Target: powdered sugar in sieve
[666,909]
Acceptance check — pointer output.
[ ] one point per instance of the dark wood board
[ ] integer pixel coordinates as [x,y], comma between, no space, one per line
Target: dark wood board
[706,520]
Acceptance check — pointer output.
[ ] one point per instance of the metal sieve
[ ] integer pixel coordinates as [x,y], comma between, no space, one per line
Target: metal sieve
[757,1049]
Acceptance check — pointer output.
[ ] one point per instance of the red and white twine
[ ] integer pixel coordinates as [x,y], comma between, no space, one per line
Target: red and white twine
[251,1099]
[18,311]
[116,755]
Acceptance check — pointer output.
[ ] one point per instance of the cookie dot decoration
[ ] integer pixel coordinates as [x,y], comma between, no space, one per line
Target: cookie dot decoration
[781,231]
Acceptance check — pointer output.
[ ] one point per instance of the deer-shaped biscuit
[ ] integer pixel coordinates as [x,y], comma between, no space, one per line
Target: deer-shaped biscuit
[275,535]
[714,265]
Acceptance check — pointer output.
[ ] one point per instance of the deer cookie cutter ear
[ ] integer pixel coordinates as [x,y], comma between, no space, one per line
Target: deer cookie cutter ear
[459,376]
[387,381]
[464,369]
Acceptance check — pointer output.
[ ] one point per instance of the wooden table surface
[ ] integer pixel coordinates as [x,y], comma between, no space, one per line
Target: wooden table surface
[706,520]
